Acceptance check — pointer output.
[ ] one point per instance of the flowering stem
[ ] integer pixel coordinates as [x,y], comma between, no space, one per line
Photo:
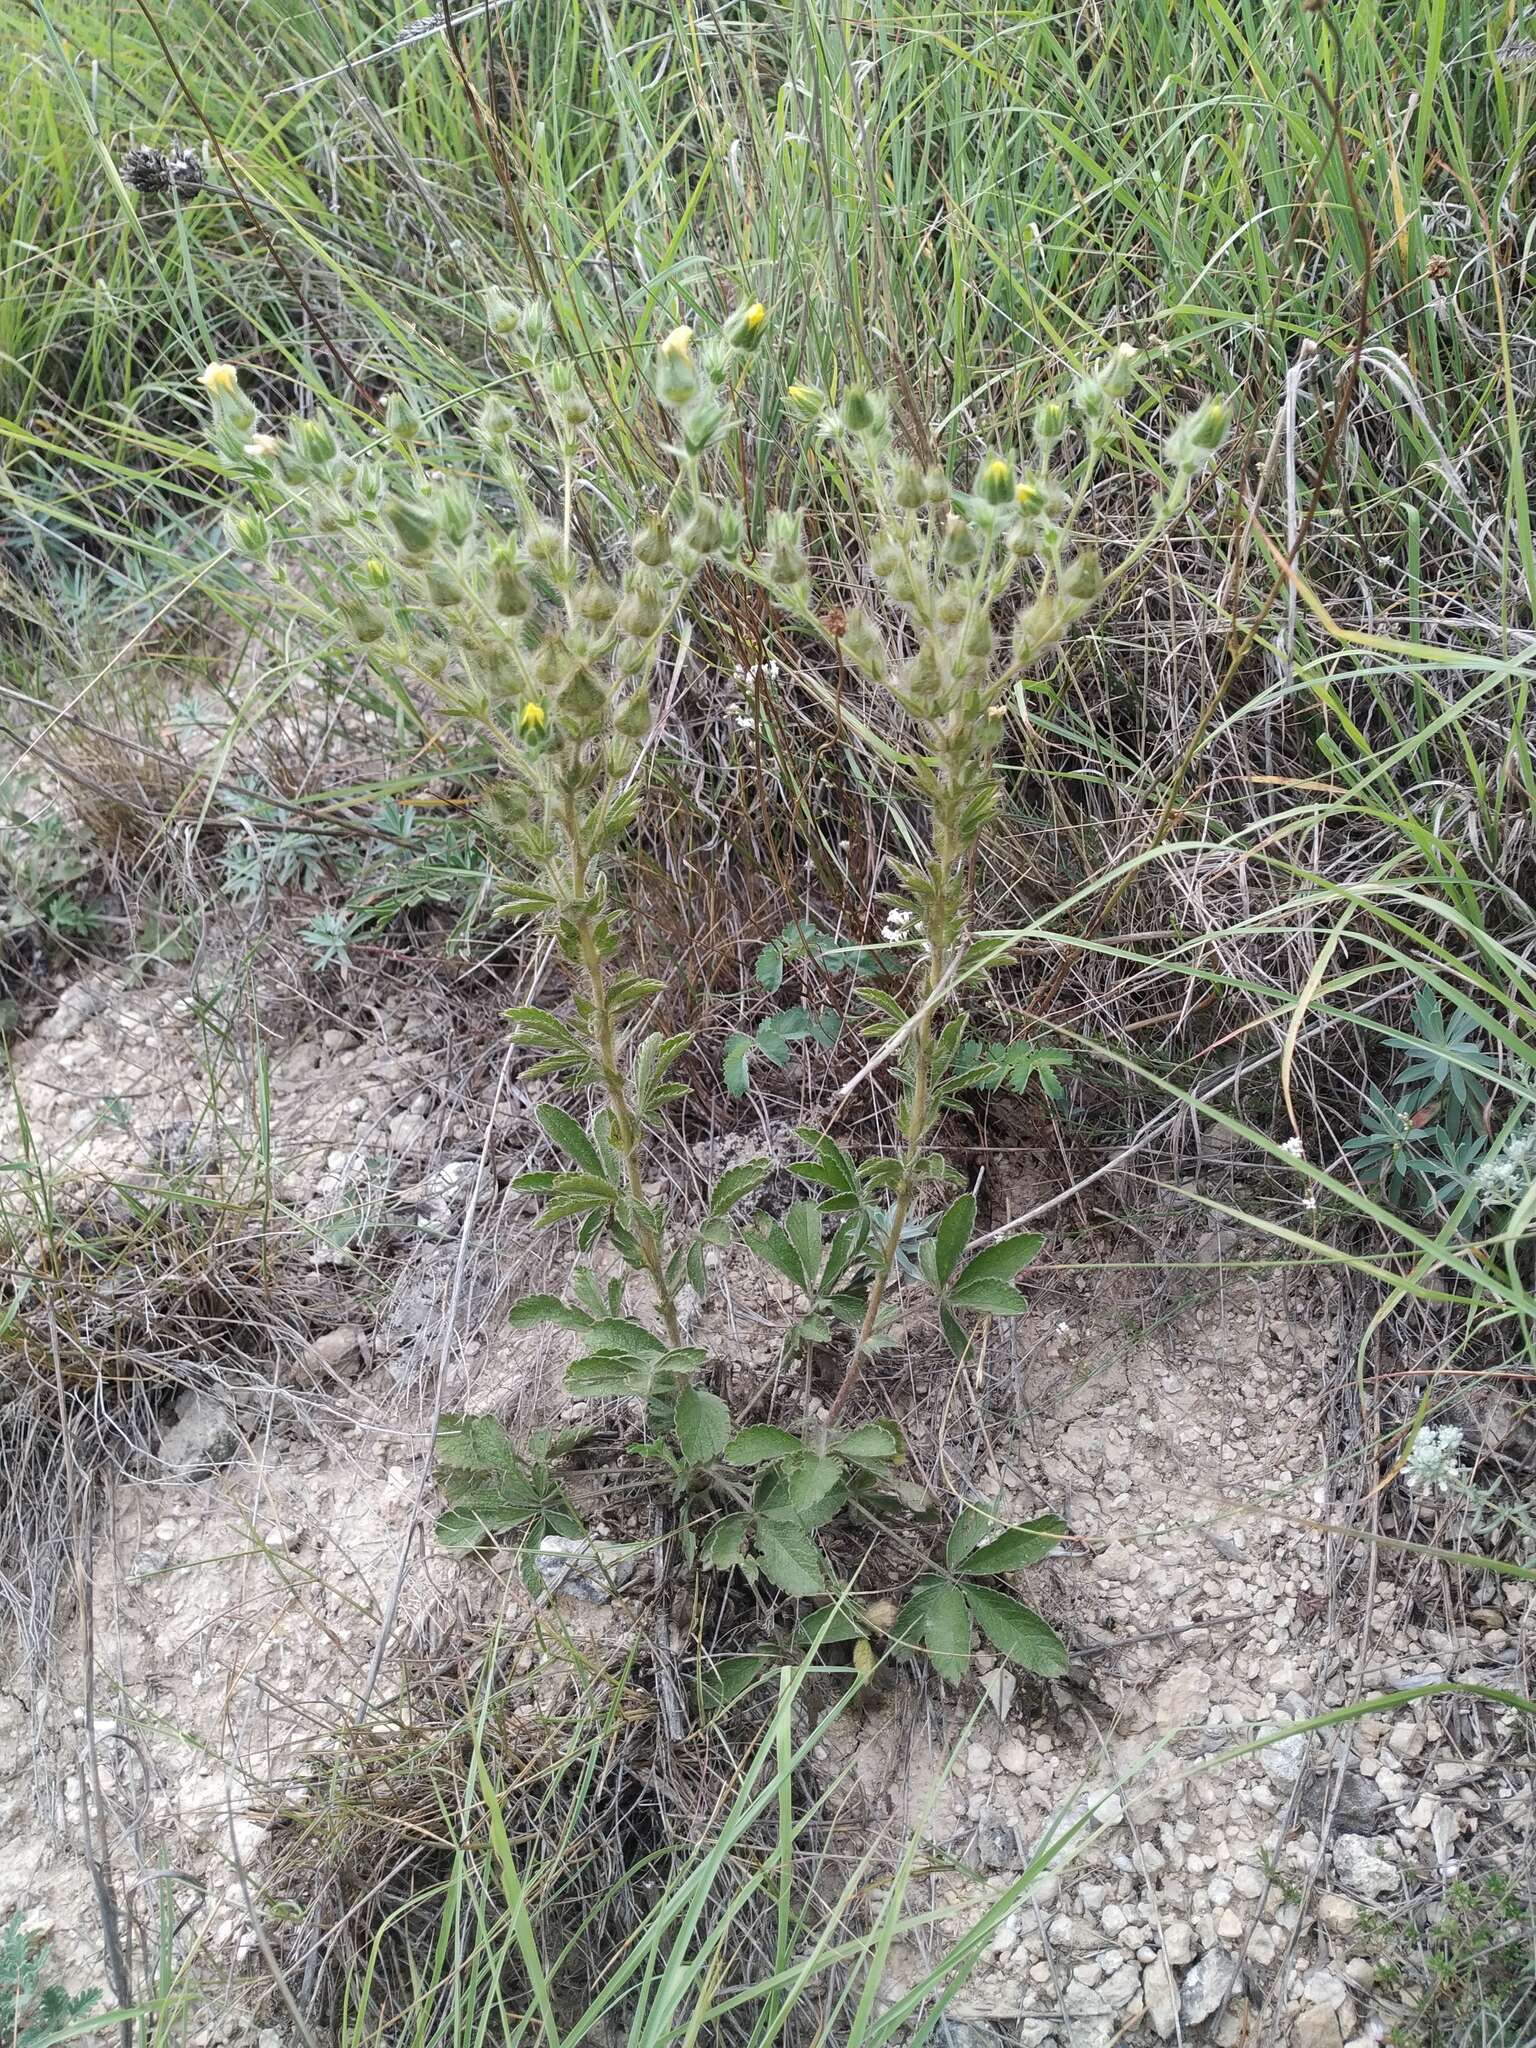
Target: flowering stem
[624,1124]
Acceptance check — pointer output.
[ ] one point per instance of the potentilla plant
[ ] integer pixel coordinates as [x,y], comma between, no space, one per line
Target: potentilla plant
[546,642]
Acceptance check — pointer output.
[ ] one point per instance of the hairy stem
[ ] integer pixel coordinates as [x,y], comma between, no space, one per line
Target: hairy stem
[624,1124]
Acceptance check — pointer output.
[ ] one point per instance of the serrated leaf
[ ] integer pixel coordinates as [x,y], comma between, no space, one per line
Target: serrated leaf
[761,1444]
[564,1131]
[840,1622]
[954,1332]
[703,1425]
[461,1529]
[952,1236]
[873,1442]
[1012,1548]
[736,1183]
[606,1376]
[726,1543]
[802,1226]
[1002,1261]
[631,1339]
[785,1554]
[947,1631]
[1018,1632]
[811,1477]
[476,1443]
[769,968]
[736,1066]
[534,1309]
[989,1297]
[972,1526]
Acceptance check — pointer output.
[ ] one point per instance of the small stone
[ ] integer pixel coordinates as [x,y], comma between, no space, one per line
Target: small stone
[1120,1986]
[1359,1806]
[1160,1998]
[1248,1882]
[978,1760]
[583,1568]
[1362,1869]
[1285,1760]
[1339,1915]
[1229,1927]
[1179,1943]
[337,1349]
[1014,1757]
[1214,1979]
[1317,2027]
[1322,1987]
[1406,1741]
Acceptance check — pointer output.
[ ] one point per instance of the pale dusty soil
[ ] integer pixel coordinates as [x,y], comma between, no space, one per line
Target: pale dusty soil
[236,1614]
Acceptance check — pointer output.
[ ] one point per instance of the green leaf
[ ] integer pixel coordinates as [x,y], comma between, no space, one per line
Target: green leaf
[726,1543]
[840,1622]
[1021,1543]
[461,1529]
[606,1375]
[564,1131]
[788,1556]
[953,1235]
[991,1297]
[811,1477]
[703,1425]
[1018,1632]
[736,1183]
[1002,1261]
[761,1444]
[477,1443]
[769,969]
[971,1527]
[947,1631]
[546,1308]
[724,1679]
[802,1225]
[736,1065]
[631,1339]
[879,1443]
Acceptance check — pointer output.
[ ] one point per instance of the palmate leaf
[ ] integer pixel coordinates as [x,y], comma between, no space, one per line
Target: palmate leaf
[1011,1548]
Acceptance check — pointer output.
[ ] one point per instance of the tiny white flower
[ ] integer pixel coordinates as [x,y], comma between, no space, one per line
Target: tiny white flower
[1295,1147]
[898,925]
[1431,1465]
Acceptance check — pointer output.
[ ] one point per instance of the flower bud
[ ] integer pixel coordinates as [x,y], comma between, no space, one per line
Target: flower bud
[858,411]
[532,720]
[994,481]
[263,448]
[582,700]
[1029,496]
[1082,579]
[703,423]
[907,486]
[315,442]
[503,315]
[653,545]
[456,513]
[639,616]
[954,602]
[863,646]
[511,592]
[220,380]
[1050,425]
[806,403]
[402,422]
[443,586]
[248,532]
[634,716]
[936,487]
[746,326]
[701,530]
[596,601]
[677,378]
[1117,373]
[366,623]
[961,546]
[413,525]
[375,573]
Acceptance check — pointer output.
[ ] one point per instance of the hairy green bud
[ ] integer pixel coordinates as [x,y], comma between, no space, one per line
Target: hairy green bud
[511,592]
[366,623]
[402,422]
[640,614]
[907,486]
[413,525]
[634,716]
[1050,426]
[961,547]
[596,601]
[1117,373]
[994,481]
[444,587]
[1082,579]
[653,545]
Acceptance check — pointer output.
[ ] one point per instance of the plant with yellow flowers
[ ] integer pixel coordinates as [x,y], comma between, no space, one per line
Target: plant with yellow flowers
[546,644]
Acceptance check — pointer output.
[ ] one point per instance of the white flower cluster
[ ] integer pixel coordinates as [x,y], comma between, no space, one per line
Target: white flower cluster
[1295,1147]
[748,677]
[1431,1465]
[898,925]
[1508,1179]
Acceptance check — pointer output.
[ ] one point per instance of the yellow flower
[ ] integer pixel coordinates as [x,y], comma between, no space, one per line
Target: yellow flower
[754,316]
[534,719]
[679,344]
[220,380]
[802,394]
